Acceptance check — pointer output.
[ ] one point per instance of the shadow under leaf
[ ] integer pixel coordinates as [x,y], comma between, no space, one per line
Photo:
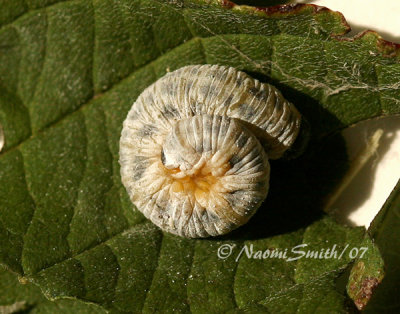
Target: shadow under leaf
[299,187]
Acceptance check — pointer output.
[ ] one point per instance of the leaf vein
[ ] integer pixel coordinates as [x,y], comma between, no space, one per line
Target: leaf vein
[34,208]
[154,272]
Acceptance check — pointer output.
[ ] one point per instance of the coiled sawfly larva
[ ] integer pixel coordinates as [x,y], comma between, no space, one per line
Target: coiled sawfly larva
[195,146]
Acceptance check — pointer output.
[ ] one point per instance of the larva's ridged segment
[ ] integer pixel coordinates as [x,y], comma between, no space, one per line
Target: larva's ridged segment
[225,91]
[190,154]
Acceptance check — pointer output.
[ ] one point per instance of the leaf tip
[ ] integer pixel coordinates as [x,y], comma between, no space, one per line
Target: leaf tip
[364,294]
[362,287]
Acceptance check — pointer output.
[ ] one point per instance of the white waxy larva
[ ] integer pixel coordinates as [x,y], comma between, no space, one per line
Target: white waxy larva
[195,145]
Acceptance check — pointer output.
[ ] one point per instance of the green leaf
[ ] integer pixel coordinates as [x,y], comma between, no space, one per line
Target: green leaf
[385,230]
[18,296]
[69,73]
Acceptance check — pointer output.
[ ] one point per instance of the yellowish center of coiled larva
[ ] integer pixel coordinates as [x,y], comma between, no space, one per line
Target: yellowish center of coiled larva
[201,182]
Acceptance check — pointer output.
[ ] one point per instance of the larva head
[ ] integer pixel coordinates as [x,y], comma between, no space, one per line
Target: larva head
[192,150]
[218,168]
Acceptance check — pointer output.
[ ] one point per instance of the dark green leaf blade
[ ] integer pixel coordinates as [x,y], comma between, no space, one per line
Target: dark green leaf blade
[20,296]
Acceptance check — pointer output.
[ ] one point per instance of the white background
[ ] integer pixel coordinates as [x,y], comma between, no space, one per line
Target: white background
[367,192]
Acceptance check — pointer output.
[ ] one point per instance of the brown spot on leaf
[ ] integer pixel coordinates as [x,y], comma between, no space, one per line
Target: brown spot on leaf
[388,49]
[364,294]
[289,9]
[227,4]
[286,8]
[362,286]
[294,8]
[384,47]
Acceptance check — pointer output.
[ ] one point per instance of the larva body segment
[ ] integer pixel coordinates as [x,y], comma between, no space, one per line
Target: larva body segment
[195,145]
